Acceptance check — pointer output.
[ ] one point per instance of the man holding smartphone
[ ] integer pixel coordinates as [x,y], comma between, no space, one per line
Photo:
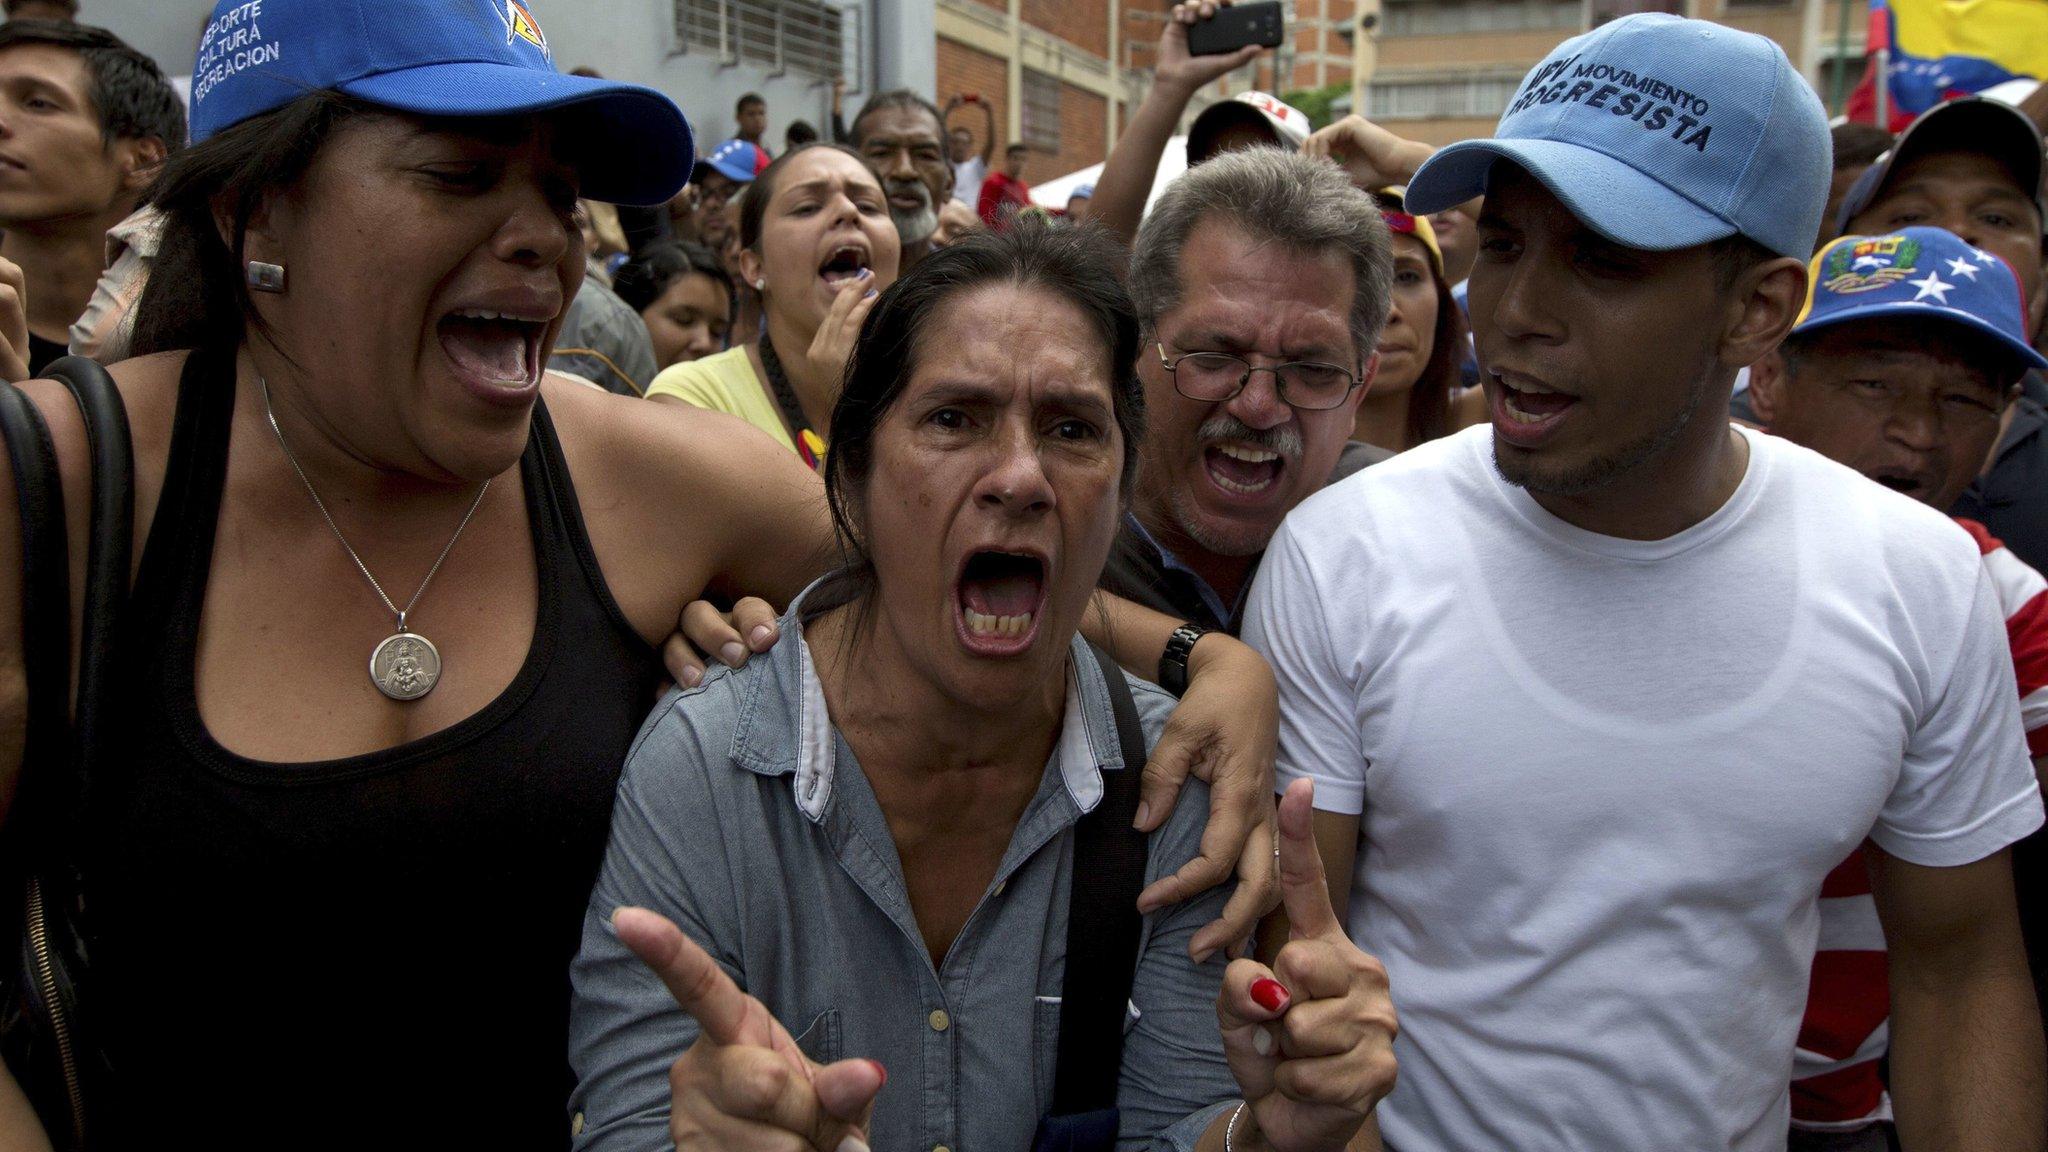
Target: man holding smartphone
[1126,180]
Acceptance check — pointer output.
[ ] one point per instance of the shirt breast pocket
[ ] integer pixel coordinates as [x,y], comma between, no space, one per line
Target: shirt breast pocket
[820,1040]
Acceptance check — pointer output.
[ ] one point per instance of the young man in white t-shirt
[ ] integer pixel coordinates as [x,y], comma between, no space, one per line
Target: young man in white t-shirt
[1595,698]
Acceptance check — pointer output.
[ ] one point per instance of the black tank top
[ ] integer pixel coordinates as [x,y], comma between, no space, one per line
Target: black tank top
[370,952]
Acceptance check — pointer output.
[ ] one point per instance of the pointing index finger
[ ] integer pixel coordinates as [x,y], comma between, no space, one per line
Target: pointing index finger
[699,985]
[1303,890]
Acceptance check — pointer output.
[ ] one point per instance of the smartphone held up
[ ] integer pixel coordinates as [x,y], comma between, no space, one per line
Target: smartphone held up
[1238,26]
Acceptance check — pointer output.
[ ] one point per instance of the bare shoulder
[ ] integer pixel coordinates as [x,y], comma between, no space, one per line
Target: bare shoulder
[677,500]
[664,455]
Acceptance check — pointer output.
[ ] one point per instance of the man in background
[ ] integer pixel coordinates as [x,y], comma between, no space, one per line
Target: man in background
[1262,258]
[1974,167]
[85,124]
[750,113]
[1910,349]
[1004,194]
[970,166]
[717,179]
[1078,203]
[900,135]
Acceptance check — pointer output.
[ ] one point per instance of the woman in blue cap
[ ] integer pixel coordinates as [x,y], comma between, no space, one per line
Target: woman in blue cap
[387,656]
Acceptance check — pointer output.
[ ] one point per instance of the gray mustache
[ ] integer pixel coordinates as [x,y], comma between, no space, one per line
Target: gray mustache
[1284,440]
[915,188]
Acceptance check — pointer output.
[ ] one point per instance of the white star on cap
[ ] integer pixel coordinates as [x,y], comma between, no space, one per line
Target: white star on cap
[1932,286]
[1963,268]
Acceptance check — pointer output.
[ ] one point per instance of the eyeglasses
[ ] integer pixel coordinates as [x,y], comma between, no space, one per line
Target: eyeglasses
[1218,376]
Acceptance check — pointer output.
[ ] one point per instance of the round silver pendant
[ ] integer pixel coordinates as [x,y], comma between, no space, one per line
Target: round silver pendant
[405,666]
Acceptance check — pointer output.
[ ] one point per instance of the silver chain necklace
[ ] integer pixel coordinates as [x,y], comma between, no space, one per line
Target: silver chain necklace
[406,666]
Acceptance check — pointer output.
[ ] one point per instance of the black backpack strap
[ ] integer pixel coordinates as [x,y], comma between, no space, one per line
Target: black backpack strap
[109,553]
[1102,922]
[45,631]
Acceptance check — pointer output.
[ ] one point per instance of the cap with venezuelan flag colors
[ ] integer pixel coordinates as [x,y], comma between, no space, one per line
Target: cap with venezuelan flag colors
[1920,271]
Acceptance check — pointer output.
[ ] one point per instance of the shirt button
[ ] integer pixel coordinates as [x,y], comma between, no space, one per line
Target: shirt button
[576,1125]
[1000,885]
[940,1148]
[939,1020]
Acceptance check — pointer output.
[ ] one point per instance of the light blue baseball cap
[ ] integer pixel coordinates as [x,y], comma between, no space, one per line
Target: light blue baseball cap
[1659,133]
[458,58]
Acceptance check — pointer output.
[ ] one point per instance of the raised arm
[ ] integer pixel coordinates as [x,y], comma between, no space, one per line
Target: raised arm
[1126,180]
[1967,1067]
[1372,156]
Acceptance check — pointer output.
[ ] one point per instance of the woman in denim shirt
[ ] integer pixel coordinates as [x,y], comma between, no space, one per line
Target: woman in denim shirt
[870,831]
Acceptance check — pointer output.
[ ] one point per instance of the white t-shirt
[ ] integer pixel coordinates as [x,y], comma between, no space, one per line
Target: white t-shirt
[1602,779]
[967,177]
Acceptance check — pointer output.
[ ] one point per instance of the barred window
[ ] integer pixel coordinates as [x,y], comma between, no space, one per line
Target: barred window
[1412,18]
[1477,97]
[1599,12]
[1041,111]
[795,35]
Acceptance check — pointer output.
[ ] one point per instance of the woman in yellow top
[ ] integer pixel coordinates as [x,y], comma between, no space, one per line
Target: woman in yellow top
[818,245]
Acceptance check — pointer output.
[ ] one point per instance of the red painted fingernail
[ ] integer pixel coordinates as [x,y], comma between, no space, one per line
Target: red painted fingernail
[881,1071]
[1268,994]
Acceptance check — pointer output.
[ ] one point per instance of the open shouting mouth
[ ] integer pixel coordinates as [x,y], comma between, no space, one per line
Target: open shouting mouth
[999,599]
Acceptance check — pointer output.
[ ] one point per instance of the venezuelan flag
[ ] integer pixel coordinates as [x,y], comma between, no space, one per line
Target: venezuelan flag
[1942,49]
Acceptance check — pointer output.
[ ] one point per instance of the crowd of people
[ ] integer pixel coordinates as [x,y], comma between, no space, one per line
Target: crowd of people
[1533,643]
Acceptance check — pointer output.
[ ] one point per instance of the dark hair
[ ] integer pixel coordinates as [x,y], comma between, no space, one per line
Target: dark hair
[1859,145]
[587,72]
[750,99]
[1019,146]
[643,279]
[754,204]
[196,296]
[1429,401]
[893,99]
[1734,255]
[71,6]
[798,134]
[128,90]
[1080,265]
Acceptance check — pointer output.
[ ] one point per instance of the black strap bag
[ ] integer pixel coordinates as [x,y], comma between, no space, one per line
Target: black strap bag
[45,1023]
[1102,946]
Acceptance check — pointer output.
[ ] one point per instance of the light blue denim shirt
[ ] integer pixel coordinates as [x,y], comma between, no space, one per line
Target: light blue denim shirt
[743,816]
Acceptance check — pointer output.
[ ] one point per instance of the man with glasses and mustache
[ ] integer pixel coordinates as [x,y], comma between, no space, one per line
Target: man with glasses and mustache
[901,137]
[1261,279]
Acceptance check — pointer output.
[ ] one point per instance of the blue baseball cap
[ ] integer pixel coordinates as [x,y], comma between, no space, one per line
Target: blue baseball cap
[435,58]
[735,160]
[1918,271]
[1659,133]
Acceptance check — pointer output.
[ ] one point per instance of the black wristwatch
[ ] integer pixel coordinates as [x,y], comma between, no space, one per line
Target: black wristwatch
[1173,664]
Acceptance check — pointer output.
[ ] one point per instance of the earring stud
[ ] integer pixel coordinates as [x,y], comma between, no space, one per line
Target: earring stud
[266,277]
